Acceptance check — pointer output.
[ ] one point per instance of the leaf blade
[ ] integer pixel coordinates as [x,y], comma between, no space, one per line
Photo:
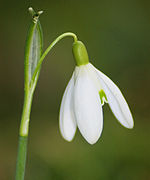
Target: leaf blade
[34,45]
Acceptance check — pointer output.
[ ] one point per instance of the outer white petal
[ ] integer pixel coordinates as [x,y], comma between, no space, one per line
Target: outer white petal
[67,121]
[87,106]
[116,100]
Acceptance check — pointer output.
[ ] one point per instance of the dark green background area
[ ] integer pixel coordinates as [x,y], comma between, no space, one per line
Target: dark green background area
[117,36]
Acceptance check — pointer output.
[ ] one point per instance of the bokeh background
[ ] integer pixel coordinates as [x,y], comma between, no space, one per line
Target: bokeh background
[117,36]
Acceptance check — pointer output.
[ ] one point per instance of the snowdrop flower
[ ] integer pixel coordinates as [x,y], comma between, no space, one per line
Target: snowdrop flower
[85,94]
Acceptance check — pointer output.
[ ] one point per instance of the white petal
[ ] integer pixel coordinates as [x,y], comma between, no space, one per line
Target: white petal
[67,121]
[116,100]
[87,107]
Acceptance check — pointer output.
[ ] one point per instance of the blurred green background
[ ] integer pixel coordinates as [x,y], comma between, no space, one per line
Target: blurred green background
[117,36]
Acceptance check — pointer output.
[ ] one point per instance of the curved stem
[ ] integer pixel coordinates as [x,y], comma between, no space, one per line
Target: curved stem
[49,48]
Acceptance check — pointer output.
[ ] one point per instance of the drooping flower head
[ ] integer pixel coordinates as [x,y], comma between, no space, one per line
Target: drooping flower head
[84,96]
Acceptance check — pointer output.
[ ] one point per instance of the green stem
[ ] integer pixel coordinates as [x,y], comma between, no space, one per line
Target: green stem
[23,135]
[49,48]
[21,159]
[24,126]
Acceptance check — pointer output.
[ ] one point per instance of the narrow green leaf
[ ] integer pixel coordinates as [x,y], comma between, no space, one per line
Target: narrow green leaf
[33,50]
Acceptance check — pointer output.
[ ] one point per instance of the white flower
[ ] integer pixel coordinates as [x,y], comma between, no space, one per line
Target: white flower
[84,97]
[82,104]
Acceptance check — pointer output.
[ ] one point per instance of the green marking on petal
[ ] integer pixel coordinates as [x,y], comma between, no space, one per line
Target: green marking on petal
[103,97]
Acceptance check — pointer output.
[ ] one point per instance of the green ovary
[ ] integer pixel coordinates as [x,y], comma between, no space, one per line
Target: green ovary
[80,53]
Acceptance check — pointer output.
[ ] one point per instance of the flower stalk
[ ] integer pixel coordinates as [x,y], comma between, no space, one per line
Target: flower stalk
[33,61]
[50,47]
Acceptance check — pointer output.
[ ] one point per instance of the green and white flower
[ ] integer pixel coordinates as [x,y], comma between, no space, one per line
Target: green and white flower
[84,97]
